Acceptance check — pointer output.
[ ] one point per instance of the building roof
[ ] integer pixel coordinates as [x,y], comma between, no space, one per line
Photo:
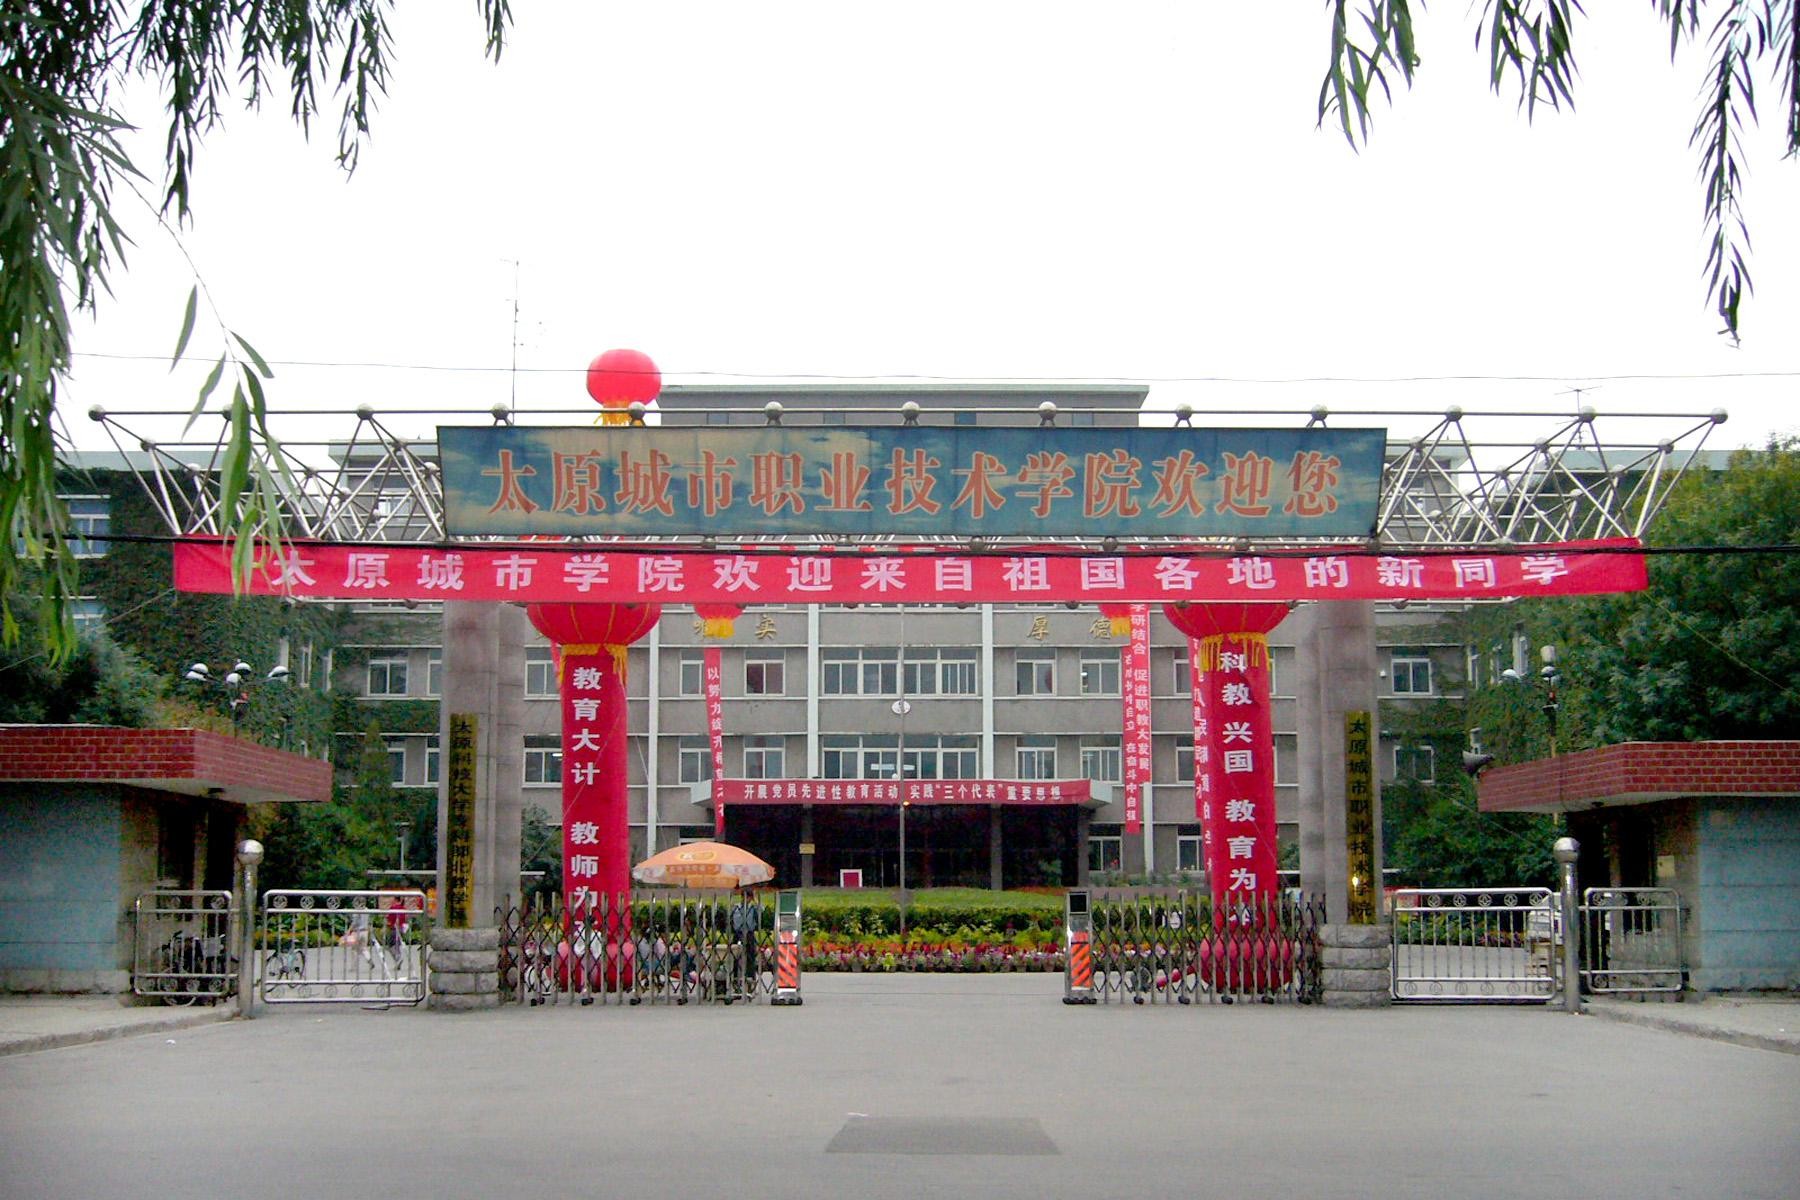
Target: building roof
[1640,773]
[192,762]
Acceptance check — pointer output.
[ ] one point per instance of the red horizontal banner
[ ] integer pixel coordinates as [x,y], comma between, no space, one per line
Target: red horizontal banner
[926,576]
[892,792]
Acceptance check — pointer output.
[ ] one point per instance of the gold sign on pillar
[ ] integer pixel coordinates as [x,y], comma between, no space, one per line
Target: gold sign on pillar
[1359,815]
[459,827]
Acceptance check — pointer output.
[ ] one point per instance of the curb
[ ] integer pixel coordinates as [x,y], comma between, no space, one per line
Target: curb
[32,1043]
[1736,1037]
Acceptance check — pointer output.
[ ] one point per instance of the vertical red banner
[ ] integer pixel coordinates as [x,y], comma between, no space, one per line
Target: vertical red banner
[1231,674]
[1135,689]
[713,683]
[1205,786]
[596,852]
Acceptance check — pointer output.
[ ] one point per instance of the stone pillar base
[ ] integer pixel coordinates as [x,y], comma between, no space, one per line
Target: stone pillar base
[1356,966]
[465,969]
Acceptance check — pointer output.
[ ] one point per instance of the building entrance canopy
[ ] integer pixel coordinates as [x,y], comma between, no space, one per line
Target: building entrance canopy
[578,572]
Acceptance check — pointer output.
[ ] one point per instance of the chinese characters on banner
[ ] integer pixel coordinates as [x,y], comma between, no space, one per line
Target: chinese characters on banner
[579,575]
[459,828]
[1231,675]
[915,481]
[915,792]
[715,730]
[593,767]
[1359,815]
[1136,691]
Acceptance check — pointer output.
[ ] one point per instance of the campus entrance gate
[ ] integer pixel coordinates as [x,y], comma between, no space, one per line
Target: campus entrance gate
[1114,513]
[342,947]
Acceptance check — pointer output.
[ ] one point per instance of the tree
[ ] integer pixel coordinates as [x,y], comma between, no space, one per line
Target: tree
[334,845]
[99,683]
[1711,649]
[1533,41]
[61,62]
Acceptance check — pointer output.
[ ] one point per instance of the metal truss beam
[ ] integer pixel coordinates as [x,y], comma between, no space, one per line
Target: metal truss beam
[1461,480]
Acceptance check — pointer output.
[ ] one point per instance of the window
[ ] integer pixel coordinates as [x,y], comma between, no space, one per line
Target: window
[1100,759]
[691,673]
[1187,853]
[1184,760]
[90,519]
[1471,668]
[694,759]
[860,756]
[1183,674]
[396,755]
[1037,757]
[387,675]
[1036,672]
[1411,672]
[434,673]
[89,615]
[870,671]
[764,756]
[944,756]
[941,672]
[1100,672]
[1417,763]
[1106,848]
[764,675]
[540,673]
[433,757]
[543,761]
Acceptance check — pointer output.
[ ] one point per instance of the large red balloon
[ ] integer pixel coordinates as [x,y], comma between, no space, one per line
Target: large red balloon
[618,377]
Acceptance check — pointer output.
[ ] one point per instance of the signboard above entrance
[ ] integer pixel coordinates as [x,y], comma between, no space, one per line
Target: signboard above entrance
[643,481]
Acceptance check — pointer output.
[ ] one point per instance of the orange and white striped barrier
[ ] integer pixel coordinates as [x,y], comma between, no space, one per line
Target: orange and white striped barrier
[787,967]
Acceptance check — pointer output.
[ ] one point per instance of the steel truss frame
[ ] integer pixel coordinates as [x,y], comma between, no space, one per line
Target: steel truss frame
[1461,480]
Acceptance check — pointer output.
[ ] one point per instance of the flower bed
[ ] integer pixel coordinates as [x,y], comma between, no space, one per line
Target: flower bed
[891,954]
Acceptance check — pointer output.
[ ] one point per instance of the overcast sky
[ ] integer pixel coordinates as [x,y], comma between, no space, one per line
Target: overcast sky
[998,191]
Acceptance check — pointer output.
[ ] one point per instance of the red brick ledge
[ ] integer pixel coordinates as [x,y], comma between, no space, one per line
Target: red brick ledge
[194,762]
[1641,772]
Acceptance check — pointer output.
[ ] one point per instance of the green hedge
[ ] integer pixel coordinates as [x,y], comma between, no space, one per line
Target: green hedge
[864,912]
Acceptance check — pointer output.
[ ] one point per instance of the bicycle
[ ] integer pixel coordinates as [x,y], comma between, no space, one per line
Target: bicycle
[285,965]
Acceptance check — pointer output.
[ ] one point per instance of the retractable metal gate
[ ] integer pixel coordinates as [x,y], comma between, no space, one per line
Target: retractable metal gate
[1170,947]
[1482,944]
[342,947]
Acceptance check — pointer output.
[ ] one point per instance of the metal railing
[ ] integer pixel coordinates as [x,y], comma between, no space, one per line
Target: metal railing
[181,946]
[342,947]
[1165,947]
[668,948]
[1631,941]
[1486,944]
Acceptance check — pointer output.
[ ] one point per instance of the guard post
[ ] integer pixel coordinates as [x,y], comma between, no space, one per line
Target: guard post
[1078,929]
[787,947]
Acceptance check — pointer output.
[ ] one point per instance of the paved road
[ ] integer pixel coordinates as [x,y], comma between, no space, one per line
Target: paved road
[905,1086]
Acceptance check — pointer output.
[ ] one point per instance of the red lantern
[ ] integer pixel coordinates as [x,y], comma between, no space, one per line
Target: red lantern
[618,377]
[1210,619]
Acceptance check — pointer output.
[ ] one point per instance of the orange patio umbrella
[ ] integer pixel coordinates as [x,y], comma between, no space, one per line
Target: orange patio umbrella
[703,865]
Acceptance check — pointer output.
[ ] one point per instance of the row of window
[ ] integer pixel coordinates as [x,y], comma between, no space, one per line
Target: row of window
[878,671]
[878,756]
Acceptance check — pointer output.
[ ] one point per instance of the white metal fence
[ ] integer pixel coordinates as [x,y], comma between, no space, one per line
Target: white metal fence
[182,946]
[1478,944]
[342,947]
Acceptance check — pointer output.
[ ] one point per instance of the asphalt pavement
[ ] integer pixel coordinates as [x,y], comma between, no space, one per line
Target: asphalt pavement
[903,1086]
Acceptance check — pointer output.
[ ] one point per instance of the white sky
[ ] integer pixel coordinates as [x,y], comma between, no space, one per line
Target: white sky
[996,191]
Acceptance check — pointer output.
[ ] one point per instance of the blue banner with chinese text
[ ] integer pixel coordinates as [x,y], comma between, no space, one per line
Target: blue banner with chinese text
[654,481]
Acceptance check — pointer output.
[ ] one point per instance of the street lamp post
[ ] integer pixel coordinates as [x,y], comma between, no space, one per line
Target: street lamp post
[1552,680]
[236,683]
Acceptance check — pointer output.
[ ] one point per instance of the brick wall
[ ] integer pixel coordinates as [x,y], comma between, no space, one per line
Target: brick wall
[1641,771]
[242,768]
